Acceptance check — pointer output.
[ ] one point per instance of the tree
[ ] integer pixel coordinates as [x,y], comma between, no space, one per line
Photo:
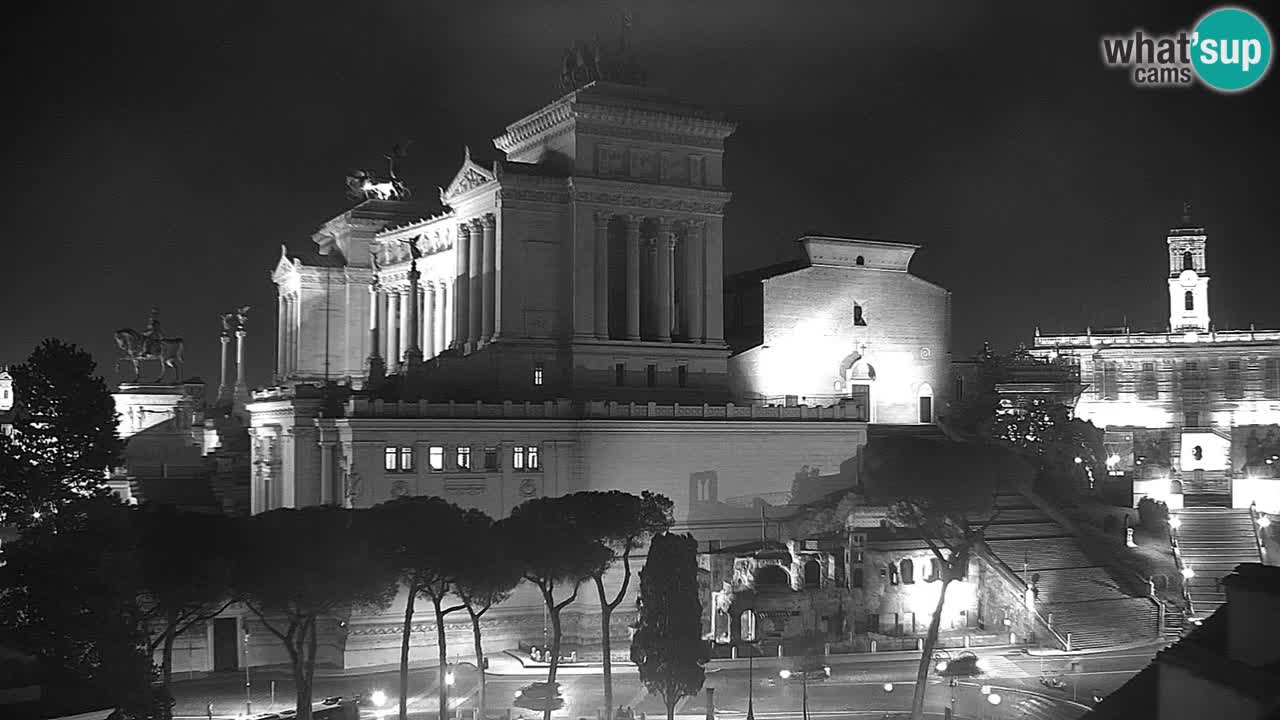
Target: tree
[621,522]
[419,537]
[64,435]
[185,574]
[933,488]
[488,578]
[668,645]
[553,552]
[295,567]
[68,594]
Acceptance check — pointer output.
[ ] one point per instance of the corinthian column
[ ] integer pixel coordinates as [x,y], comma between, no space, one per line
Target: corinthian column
[602,274]
[429,320]
[714,254]
[461,287]
[412,320]
[393,326]
[475,314]
[664,245]
[282,338]
[377,367]
[224,390]
[242,389]
[633,276]
[403,325]
[488,225]
[694,288]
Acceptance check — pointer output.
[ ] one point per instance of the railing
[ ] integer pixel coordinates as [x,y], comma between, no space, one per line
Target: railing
[1177,559]
[565,410]
[729,411]
[1127,338]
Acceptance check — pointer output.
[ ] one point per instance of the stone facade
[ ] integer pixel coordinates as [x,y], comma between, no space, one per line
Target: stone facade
[851,325]
[1182,408]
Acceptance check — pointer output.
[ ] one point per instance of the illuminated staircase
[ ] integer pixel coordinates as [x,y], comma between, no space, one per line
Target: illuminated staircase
[1206,488]
[1212,541]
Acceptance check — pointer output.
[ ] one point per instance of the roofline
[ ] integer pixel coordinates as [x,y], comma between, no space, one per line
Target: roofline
[863,241]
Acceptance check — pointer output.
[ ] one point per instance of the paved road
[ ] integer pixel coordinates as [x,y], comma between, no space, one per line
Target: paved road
[854,688]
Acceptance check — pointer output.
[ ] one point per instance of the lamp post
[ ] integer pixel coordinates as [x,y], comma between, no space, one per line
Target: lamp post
[804,684]
[751,685]
[449,679]
[248,697]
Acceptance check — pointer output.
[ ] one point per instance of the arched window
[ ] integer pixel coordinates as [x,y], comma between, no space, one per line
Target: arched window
[859,261]
[1189,300]
[935,570]
[857,577]
[1188,261]
[908,572]
[772,576]
[893,574]
[812,574]
[857,316]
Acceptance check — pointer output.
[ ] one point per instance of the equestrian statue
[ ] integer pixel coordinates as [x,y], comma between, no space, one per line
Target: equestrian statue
[150,345]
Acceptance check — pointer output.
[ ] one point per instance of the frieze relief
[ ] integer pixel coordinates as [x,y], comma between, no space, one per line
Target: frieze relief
[542,196]
[648,202]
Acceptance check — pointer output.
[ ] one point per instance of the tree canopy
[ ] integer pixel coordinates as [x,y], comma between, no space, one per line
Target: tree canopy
[64,436]
[668,645]
[951,475]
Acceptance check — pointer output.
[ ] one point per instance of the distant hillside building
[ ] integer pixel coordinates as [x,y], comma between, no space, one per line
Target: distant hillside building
[1190,412]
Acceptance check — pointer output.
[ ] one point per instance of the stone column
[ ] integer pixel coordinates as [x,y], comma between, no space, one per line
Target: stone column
[714,254]
[291,339]
[461,290]
[393,328]
[444,317]
[475,286]
[224,391]
[633,277]
[429,320]
[242,388]
[665,245]
[602,274]
[282,329]
[377,367]
[694,288]
[412,320]
[488,279]
[326,472]
[404,326]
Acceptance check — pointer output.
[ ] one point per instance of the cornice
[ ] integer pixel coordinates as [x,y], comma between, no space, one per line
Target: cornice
[531,126]
[653,121]
[665,138]
[643,196]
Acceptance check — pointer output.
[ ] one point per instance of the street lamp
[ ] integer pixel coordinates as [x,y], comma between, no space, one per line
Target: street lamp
[804,683]
[751,686]
[248,697]
[1187,572]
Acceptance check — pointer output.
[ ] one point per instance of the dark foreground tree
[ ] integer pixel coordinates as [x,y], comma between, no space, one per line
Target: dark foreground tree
[64,435]
[68,595]
[298,567]
[621,522]
[668,646]
[489,576]
[185,568]
[420,537]
[944,492]
[554,553]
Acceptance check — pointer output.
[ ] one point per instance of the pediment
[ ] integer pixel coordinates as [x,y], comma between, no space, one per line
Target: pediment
[469,177]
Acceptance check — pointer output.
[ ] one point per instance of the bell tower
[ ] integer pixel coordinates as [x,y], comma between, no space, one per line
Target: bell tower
[1188,277]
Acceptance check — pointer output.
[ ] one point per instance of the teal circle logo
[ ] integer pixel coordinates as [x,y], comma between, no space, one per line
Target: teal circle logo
[1231,49]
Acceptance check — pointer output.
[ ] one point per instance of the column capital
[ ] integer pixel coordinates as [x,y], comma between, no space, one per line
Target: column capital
[602,218]
[477,225]
[696,224]
[632,220]
[666,224]
[489,220]
[240,333]
[464,228]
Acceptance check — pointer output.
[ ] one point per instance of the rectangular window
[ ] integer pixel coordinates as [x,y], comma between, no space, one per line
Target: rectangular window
[926,409]
[1233,364]
[525,457]
[620,374]
[1148,388]
[537,373]
[390,459]
[1191,419]
[491,458]
[435,458]
[1110,389]
[1271,378]
[464,458]
[959,389]
[651,375]
[406,459]
[682,376]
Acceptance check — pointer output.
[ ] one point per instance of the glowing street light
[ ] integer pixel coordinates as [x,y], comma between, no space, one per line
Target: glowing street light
[1188,573]
[994,698]
[448,678]
[1078,460]
[378,697]
[985,689]
[941,666]
[1264,521]
[888,687]
[1175,522]
[784,674]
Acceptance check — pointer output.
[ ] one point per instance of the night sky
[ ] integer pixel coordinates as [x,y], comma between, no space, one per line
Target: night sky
[159,154]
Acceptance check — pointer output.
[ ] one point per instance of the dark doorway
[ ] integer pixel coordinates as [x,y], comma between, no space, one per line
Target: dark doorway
[926,409]
[226,648]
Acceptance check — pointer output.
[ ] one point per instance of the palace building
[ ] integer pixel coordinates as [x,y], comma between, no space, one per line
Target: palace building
[1190,413]
[558,324]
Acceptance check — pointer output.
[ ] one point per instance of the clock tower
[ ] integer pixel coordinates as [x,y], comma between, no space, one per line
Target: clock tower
[1188,278]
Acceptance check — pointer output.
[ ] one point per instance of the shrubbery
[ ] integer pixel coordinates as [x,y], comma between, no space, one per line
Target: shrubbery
[1152,513]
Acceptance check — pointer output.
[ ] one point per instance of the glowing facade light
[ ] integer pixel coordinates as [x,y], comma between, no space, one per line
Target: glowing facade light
[1188,573]
[941,666]
[1078,460]
[448,678]
[378,698]
[888,687]
[994,698]
[985,689]
[1175,522]
[784,674]
[1264,521]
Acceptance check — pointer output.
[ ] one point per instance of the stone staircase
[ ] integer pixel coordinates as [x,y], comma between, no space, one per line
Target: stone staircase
[1076,594]
[1174,623]
[1211,488]
[1212,541]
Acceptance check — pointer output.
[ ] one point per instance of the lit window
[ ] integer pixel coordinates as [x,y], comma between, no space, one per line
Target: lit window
[1189,300]
[908,572]
[435,456]
[491,458]
[537,373]
[464,458]
[525,457]
[390,459]
[858,319]
[397,459]
[406,459]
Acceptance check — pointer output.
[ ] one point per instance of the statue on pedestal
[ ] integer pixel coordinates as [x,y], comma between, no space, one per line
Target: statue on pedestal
[150,345]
